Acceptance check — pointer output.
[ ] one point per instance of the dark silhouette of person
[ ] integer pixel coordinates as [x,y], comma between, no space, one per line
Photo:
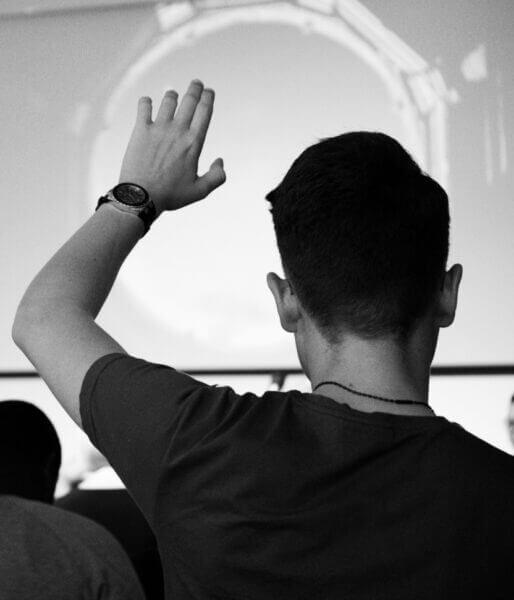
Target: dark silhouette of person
[30,452]
[46,552]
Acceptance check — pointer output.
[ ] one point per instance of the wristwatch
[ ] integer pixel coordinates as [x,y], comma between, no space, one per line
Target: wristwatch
[131,198]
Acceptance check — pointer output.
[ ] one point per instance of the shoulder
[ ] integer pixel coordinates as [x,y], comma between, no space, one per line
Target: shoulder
[80,548]
[474,446]
[471,458]
[75,532]
[52,517]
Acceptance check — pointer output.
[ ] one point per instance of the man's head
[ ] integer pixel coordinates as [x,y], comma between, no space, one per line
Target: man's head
[363,238]
[30,452]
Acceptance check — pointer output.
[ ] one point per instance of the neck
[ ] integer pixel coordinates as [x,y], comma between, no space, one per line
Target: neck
[379,367]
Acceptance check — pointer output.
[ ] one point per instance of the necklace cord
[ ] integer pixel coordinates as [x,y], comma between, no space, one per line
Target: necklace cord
[372,396]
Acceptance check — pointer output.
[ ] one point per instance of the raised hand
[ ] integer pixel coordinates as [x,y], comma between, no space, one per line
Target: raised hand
[162,155]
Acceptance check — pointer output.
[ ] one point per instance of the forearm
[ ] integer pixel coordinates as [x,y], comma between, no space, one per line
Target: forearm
[80,275]
[55,322]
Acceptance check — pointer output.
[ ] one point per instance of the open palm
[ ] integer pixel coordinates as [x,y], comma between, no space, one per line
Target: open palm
[162,155]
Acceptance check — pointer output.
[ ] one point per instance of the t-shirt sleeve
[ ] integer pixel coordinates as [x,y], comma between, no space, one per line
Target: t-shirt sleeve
[141,415]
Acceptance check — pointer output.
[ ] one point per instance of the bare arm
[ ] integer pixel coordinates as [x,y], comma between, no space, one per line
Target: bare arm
[55,321]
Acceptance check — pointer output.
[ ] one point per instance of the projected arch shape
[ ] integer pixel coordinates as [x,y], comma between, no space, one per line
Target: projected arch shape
[418,90]
[419,96]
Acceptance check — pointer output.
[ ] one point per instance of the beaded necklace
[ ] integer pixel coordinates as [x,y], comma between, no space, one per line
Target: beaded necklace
[372,396]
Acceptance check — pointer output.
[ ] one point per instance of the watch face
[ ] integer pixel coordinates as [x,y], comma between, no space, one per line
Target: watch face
[130,194]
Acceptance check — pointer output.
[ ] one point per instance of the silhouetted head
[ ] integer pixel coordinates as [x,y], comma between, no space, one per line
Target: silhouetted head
[363,236]
[30,452]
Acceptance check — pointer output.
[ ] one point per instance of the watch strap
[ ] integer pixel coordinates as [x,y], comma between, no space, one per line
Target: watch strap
[147,213]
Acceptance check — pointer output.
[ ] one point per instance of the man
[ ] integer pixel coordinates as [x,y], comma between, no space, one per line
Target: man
[46,552]
[355,491]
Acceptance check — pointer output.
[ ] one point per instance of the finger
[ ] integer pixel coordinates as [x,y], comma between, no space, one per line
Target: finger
[144,110]
[202,117]
[187,107]
[214,177]
[167,108]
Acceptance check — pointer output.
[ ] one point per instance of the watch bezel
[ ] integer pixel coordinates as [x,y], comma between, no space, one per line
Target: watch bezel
[139,189]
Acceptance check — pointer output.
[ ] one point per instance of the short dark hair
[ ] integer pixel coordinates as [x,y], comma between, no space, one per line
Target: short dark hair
[30,451]
[362,233]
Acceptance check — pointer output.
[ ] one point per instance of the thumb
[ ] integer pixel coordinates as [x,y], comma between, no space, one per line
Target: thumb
[214,177]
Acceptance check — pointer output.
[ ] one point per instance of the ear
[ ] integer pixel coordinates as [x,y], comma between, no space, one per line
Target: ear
[286,301]
[448,296]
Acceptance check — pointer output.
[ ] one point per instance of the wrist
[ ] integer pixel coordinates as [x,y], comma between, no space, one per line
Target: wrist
[133,199]
[117,214]
[159,208]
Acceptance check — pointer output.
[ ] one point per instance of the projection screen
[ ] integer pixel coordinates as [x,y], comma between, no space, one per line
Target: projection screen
[194,293]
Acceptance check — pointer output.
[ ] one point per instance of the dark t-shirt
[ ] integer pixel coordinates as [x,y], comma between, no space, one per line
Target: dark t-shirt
[293,495]
[47,553]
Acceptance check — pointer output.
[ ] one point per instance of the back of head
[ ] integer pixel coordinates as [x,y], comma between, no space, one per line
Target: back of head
[362,234]
[30,452]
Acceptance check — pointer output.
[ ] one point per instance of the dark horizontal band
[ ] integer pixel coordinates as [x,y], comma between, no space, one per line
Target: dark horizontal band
[450,370]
